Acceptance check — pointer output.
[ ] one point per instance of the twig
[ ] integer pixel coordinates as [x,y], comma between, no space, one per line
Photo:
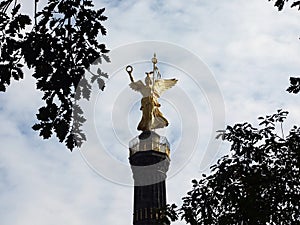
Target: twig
[35,11]
[282,130]
[6,7]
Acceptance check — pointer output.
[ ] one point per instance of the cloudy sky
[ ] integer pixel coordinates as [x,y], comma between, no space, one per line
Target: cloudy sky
[232,59]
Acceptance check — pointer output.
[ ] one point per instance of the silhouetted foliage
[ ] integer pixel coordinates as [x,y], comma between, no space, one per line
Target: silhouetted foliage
[169,213]
[280,4]
[294,85]
[257,183]
[294,81]
[60,47]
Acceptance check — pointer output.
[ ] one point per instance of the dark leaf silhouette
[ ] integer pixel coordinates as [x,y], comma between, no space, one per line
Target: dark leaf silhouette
[297,3]
[281,3]
[60,48]
[257,183]
[294,85]
[294,81]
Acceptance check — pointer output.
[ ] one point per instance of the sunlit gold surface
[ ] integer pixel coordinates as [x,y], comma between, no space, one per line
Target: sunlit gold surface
[151,90]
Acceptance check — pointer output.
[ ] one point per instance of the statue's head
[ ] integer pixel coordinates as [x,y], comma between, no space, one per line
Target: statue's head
[148,81]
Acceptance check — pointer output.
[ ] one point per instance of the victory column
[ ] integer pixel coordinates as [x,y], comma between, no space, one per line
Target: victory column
[149,153]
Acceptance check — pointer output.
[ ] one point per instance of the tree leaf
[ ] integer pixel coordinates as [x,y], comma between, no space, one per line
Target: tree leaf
[297,3]
[101,83]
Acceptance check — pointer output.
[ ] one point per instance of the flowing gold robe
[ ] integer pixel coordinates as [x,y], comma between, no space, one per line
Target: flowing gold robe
[152,117]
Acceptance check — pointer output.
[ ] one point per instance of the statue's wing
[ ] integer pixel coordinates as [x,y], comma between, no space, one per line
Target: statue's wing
[162,85]
[137,86]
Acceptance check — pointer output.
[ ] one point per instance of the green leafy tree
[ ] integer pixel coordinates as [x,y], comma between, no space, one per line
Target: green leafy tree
[257,183]
[60,47]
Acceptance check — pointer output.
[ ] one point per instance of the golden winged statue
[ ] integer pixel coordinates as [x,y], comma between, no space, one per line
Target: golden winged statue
[151,90]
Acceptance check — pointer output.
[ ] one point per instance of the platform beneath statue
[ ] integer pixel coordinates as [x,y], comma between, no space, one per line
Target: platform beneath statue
[149,141]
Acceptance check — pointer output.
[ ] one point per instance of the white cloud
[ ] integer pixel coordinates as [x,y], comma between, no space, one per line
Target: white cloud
[251,49]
